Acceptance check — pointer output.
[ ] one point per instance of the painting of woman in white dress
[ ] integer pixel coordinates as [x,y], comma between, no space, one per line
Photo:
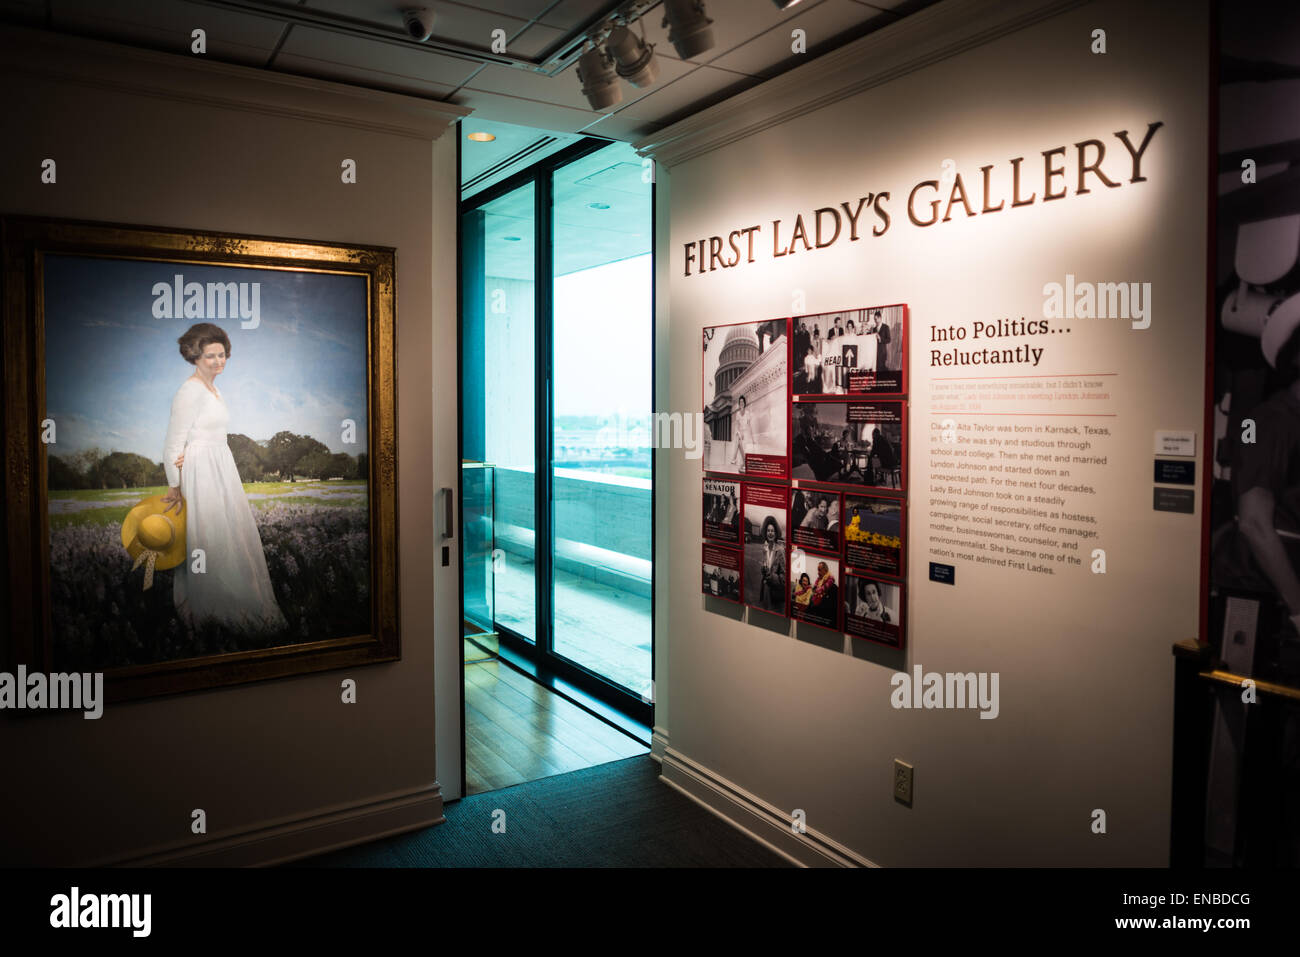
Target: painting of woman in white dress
[239,393]
[232,587]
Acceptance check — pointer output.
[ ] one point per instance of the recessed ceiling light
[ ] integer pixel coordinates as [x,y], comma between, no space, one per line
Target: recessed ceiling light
[511,239]
[785,4]
[481,137]
[598,205]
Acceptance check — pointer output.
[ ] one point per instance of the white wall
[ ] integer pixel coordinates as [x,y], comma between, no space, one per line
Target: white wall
[760,720]
[155,139]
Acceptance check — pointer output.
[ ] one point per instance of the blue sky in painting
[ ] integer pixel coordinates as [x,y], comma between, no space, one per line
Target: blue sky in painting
[112,368]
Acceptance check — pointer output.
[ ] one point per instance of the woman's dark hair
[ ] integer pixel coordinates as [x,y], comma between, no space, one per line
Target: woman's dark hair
[804,578]
[198,337]
[776,529]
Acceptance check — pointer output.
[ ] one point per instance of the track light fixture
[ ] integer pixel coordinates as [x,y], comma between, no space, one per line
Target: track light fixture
[635,58]
[599,78]
[690,29]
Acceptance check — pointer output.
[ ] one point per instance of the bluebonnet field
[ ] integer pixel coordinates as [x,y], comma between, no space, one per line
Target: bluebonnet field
[316,538]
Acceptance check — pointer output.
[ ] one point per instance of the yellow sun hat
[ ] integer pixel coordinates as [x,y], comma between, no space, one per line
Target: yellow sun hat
[154,537]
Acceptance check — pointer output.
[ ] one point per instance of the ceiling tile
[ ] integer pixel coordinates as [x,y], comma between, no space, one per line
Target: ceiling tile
[523,9]
[230,37]
[770,53]
[362,55]
[692,92]
[534,40]
[571,14]
[562,89]
[454,22]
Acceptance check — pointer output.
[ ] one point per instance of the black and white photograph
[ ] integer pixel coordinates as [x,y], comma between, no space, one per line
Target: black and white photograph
[765,520]
[722,510]
[873,534]
[815,519]
[856,444]
[859,351]
[814,588]
[873,609]
[720,577]
[746,399]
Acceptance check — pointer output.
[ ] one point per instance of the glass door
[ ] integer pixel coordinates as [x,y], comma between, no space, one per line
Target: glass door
[556,373]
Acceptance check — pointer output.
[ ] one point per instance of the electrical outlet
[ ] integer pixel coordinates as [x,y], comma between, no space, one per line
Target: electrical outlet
[903,782]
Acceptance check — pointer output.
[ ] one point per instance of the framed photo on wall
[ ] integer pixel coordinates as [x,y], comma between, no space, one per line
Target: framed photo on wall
[874,529]
[873,609]
[815,588]
[746,399]
[722,510]
[815,519]
[854,351]
[200,473]
[766,526]
[858,444]
[721,572]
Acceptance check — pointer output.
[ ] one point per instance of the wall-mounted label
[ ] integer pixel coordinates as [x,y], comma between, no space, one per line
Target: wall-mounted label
[1175,443]
[1174,500]
[1172,472]
[943,574]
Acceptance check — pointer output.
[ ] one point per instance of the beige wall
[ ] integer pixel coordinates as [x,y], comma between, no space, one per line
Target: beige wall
[151,139]
[767,721]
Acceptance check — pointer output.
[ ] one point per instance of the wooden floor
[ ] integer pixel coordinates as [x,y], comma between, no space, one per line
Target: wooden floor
[517,731]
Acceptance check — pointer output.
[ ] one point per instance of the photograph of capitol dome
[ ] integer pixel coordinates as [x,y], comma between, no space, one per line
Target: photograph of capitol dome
[746,394]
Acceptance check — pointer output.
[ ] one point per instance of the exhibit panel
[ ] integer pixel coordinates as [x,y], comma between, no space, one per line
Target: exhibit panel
[1046,229]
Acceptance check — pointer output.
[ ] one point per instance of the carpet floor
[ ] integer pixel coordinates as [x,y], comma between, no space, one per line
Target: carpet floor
[613,815]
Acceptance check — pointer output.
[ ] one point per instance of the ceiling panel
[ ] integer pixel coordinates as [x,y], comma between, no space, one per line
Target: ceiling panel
[534,40]
[514,148]
[734,23]
[770,53]
[457,22]
[357,56]
[571,14]
[563,89]
[702,86]
[522,9]
[231,37]
[619,126]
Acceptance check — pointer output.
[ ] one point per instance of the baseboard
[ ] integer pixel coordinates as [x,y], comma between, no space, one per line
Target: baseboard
[658,743]
[753,816]
[292,839]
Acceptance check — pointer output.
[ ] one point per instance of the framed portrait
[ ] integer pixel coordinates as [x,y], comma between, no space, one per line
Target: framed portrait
[766,521]
[815,520]
[815,588]
[200,475]
[746,399]
[851,352]
[873,609]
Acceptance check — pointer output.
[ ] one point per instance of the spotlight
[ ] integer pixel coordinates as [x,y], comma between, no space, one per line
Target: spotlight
[689,27]
[599,78]
[635,59]
[784,4]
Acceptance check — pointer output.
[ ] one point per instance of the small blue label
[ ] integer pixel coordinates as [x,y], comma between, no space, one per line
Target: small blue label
[943,574]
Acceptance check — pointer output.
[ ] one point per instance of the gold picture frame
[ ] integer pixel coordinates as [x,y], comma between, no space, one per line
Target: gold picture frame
[25,245]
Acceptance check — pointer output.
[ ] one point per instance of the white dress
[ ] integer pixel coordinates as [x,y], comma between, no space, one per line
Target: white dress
[234,590]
